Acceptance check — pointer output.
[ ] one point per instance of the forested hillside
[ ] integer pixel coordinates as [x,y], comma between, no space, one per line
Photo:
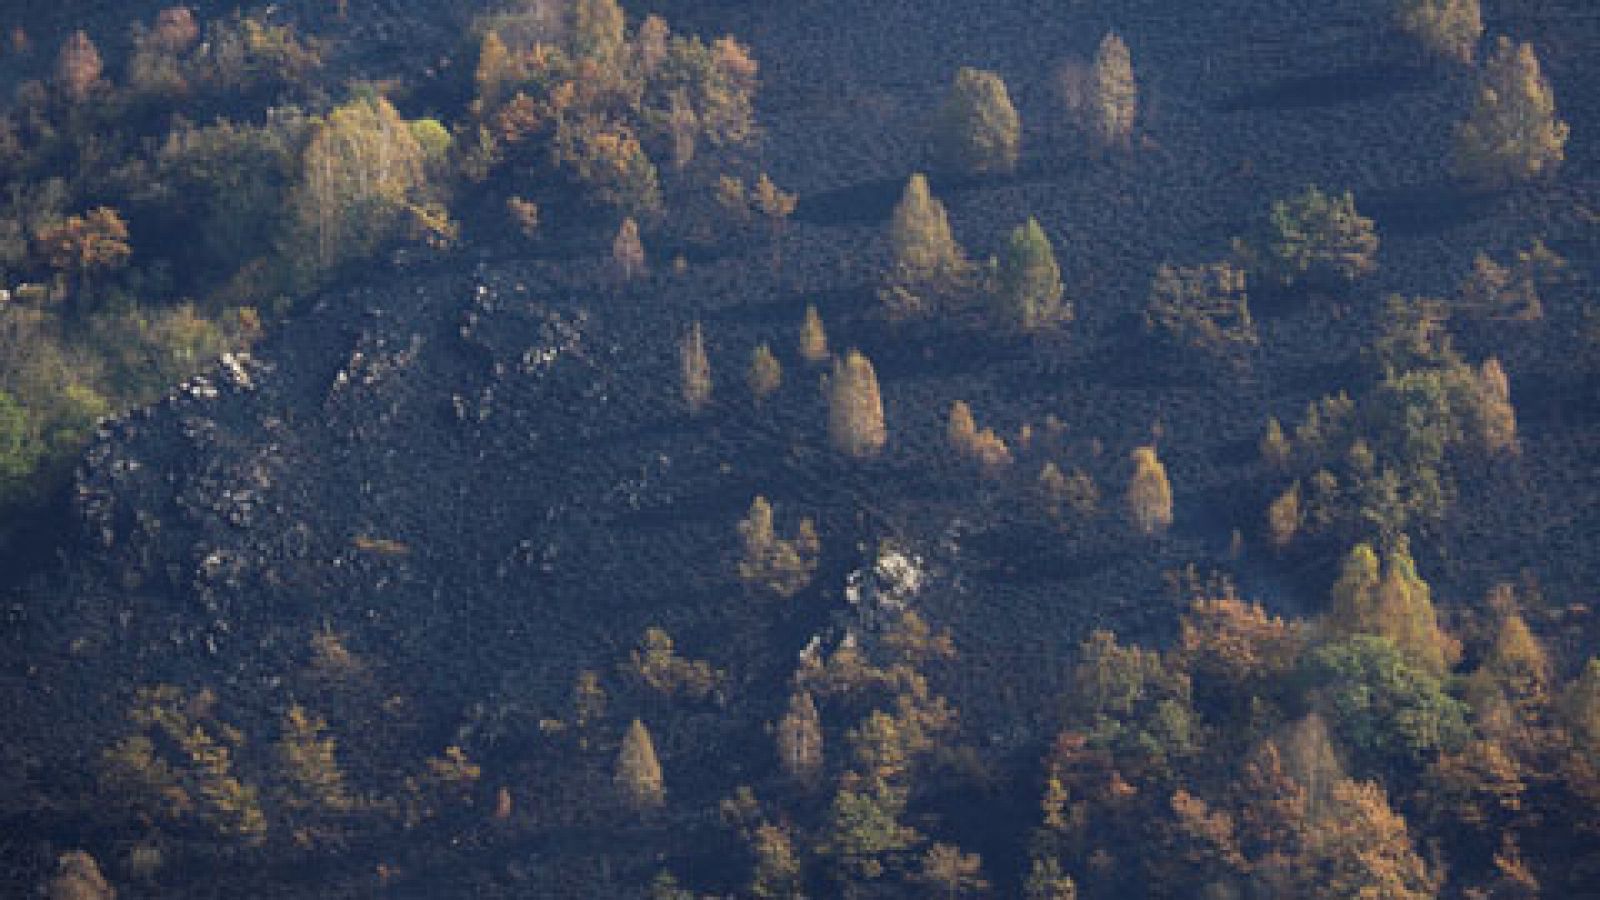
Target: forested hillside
[571,448]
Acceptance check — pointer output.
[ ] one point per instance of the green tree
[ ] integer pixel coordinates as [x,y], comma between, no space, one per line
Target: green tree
[1113,94]
[361,173]
[864,836]
[855,408]
[1512,133]
[1382,703]
[977,130]
[1317,236]
[1029,291]
[1446,29]
[638,771]
[20,449]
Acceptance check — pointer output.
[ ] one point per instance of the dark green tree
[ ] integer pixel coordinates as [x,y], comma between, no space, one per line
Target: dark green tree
[1028,295]
[977,131]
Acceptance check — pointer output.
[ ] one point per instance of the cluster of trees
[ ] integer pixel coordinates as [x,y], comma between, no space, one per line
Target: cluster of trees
[1351,756]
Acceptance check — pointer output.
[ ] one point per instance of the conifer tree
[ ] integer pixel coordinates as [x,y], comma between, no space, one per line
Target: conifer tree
[813,338]
[765,375]
[757,537]
[1029,290]
[1512,133]
[496,72]
[1446,29]
[777,870]
[923,249]
[1580,706]
[1114,96]
[638,771]
[1405,614]
[695,370]
[799,739]
[1320,236]
[1149,494]
[1517,659]
[855,408]
[977,131]
[962,430]
[627,252]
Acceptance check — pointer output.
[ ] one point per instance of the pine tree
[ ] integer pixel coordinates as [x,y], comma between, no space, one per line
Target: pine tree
[925,256]
[765,375]
[638,772]
[1029,290]
[1354,607]
[1580,707]
[799,739]
[813,338]
[1315,235]
[1149,494]
[977,131]
[855,408]
[497,71]
[1446,29]
[1114,96]
[757,537]
[1512,133]
[777,870]
[695,370]
[310,768]
[627,252]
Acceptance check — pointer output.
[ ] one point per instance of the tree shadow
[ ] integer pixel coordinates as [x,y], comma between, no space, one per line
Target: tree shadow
[1417,209]
[863,203]
[1349,85]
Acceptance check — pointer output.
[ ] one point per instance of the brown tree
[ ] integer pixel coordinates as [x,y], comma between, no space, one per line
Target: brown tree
[977,130]
[799,739]
[855,408]
[926,262]
[1113,94]
[1446,29]
[694,369]
[78,877]
[627,252]
[813,338]
[82,245]
[638,771]
[765,375]
[1149,494]
[78,67]
[1512,133]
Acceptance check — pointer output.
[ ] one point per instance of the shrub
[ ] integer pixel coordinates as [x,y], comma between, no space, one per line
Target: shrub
[1204,307]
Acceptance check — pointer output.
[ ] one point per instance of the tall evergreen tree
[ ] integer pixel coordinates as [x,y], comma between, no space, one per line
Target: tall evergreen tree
[925,258]
[977,131]
[1114,96]
[855,408]
[813,338]
[694,369]
[1029,291]
[638,771]
[1149,494]
[799,739]
[1446,29]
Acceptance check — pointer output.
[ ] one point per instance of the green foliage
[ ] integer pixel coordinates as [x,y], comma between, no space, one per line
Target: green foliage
[1383,704]
[656,664]
[1029,290]
[1317,237]
[1136,707]
[1512,133]
[977,131]
[20,448]
[864,836]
